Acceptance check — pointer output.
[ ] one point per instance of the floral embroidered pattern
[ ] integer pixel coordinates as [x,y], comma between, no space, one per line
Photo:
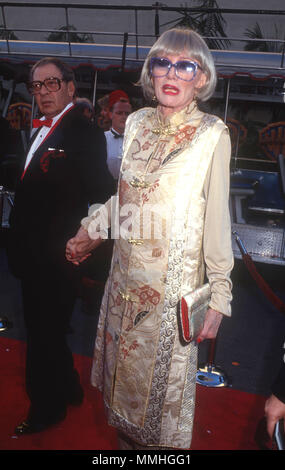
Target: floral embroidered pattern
[147,294]
[146,145]
[183,137]
[185,134]
[140,316]
[126,350]
[156,252]
[152,188]
[146,132]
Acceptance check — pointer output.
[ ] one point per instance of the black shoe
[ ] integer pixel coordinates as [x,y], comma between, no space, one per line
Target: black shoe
[28,428]
[32,427]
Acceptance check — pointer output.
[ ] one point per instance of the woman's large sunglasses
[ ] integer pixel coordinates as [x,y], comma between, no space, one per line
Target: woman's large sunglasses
[184,69]
[51,84]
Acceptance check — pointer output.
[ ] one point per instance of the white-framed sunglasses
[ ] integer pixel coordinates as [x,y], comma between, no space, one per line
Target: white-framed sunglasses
[184,69]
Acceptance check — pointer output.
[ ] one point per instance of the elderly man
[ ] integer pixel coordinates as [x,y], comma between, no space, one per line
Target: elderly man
[64,171]
[119,110]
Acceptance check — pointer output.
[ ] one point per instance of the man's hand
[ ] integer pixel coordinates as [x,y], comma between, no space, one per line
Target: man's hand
[274,410]
[79,248]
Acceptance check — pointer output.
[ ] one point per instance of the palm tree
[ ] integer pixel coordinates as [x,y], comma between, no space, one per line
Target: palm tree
[4,34]
[207,23]
[67,34]
[263,44]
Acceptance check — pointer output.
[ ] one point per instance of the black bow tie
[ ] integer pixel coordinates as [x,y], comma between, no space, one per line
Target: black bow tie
[116,135]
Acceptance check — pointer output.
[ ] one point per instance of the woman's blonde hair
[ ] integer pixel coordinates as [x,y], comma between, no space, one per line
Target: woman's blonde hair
[176,41]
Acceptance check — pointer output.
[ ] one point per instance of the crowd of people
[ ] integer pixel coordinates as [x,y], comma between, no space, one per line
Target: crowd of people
[169,158]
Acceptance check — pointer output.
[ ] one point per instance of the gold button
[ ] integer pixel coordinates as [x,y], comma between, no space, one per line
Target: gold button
[125,297]
[135,241]
[137,183]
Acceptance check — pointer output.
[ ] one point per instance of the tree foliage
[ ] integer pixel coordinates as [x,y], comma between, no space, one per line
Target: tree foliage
[261,45]
[4,34]
[68,33]
[210,24]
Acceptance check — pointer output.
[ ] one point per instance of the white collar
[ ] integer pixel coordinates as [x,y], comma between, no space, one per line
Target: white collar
[56,118]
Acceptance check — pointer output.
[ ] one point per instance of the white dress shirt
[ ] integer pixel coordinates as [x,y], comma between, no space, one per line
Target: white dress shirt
[114,152]
[43,132]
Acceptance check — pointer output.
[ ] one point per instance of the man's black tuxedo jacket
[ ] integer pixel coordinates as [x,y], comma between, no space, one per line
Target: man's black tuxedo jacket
[67,171]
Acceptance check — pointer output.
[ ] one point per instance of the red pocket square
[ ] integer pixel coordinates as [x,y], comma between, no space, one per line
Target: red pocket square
[50,153]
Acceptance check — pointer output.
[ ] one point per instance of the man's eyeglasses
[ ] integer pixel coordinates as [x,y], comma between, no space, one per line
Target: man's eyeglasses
[51,84]
[184,69]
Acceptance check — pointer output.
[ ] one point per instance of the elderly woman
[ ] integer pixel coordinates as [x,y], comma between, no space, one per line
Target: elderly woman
[174,227]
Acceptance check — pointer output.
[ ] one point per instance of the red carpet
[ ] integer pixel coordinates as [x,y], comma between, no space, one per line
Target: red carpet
[226,419]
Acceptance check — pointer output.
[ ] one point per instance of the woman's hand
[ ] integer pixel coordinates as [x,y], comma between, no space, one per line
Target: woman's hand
[79,248]
[211,325]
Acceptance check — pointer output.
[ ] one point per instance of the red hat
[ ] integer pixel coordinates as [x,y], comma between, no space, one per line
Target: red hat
[117,95]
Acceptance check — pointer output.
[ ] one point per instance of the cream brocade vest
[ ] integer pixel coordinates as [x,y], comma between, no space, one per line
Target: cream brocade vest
[146,373]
